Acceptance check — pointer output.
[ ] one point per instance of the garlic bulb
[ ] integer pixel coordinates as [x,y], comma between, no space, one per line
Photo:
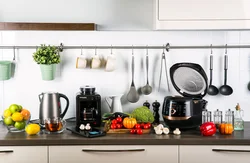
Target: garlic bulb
[82,127]
[165,130]
[88,127]
[177,131]
[158,132]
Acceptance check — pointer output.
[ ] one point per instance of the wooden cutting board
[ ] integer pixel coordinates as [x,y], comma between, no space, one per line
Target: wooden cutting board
[126,131]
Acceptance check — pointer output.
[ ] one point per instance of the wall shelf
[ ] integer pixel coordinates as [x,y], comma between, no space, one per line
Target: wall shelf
[47,26]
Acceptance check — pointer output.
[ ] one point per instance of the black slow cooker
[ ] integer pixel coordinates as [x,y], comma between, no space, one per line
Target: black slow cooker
[185,112]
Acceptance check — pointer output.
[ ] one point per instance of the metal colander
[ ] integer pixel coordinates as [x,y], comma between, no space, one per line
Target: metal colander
[189,80]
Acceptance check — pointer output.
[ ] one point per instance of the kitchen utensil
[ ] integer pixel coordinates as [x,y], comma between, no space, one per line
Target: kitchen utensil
[226,89]
[50,106]
[190,80]
[163,57]
[115,104]
[147,89]
[13,63]
[212,90]
[133,95]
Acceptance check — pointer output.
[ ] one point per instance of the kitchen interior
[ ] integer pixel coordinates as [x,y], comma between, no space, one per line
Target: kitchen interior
[132,32]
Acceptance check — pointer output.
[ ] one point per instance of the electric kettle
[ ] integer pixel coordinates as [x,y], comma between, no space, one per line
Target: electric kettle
[50,106]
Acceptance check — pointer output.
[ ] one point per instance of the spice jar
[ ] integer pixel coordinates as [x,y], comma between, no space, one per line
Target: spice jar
[229,117]
[206,116]
[217,118]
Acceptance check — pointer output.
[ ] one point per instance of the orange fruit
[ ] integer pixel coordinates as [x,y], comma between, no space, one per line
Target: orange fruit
[17,117]
[26,114]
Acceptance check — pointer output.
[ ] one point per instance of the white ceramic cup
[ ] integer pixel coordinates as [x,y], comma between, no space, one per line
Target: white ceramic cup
[111,63]
[95,62]
[81,62]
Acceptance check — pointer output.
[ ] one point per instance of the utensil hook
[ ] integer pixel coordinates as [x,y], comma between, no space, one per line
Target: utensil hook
[211,46]
[14,53]
[226,49]
[132,49]
[147,50]
[81,49]
[111,50]
[95,50]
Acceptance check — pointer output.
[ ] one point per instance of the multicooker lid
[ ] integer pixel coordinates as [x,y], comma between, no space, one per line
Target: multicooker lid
[189,79]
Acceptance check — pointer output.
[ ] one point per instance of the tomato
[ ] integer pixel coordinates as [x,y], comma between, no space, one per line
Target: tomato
[133,131]
[137,126]
[119,119]
[149,125]
[114,121]
[142,125]
[139,131]
[118,125]
[146,126]
[113,126]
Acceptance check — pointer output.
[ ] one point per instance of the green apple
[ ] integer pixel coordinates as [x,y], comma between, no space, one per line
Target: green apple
[14,108]
[19,125]
[20,108]
[8,121]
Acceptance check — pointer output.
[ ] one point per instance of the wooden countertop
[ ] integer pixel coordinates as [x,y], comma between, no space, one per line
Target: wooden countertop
[67,138]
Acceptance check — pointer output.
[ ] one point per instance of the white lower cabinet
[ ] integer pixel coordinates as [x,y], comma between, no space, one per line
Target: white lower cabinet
[212,154]
[23,154]
[113,154]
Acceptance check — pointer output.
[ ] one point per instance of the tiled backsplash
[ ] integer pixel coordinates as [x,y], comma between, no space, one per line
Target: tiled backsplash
[27,84]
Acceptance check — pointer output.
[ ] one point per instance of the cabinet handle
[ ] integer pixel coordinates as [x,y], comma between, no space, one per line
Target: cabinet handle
[7,151]
[229,150]
[113,150]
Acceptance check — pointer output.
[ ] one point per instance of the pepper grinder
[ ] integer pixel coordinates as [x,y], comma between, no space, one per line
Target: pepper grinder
[147,104]
[156,106]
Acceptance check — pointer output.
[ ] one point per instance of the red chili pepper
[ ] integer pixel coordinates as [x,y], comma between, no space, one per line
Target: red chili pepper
[208,129]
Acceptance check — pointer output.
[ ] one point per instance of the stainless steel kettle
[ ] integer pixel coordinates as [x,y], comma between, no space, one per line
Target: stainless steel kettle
[50,106]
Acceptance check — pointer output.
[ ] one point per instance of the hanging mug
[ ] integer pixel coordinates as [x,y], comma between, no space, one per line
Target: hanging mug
[81,61]
[95,61]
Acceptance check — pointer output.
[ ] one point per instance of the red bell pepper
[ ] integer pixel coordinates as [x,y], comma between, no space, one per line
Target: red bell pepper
[208,129]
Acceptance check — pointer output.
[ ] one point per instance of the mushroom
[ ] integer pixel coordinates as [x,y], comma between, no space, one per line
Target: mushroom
[82,127]
[177,131]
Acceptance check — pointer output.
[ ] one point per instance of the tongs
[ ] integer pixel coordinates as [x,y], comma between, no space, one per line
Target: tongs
[163,57]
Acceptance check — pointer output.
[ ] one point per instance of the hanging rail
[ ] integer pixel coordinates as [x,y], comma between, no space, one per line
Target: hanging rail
[167,47]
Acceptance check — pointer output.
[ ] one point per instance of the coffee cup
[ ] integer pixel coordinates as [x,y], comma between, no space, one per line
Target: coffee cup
[111,63]
[95,62]
[55,125]
[81,62]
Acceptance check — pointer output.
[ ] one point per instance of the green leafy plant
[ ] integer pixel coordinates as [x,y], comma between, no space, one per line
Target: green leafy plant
[47,54]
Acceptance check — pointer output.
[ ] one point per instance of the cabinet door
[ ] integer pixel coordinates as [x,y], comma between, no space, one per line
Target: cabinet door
[23,154]
[113,154]
[203,14]
[204,9]
[208,154]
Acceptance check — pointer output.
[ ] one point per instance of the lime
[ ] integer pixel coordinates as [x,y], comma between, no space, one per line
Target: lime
[8,121]
[20,125]
[7,113]
[14,108]
[17,117]
[32,129]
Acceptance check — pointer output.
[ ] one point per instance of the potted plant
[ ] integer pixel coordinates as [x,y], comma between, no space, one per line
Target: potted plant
[47,57]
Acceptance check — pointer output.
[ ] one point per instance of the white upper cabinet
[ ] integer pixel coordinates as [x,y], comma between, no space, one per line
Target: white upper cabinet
[202,14]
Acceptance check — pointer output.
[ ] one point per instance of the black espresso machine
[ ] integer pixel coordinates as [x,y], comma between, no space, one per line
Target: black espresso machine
[190,80]
[88,107]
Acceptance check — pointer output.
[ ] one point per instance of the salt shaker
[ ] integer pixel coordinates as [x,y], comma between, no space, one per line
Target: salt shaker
[206,116]
[217,118]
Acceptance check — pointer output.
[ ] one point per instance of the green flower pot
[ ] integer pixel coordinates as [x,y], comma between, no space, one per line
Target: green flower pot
[5,70]
[48,71]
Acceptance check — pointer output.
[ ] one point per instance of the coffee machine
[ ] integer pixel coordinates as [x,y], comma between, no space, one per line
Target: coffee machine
[88,107]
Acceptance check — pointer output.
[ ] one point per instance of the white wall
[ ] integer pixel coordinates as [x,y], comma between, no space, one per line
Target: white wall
[113,15]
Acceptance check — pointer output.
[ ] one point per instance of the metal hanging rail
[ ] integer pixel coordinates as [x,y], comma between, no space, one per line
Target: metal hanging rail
[167,47]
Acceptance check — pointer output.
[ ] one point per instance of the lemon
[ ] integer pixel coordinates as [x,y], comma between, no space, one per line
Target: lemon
[17,117]
[32,129]
[7,113]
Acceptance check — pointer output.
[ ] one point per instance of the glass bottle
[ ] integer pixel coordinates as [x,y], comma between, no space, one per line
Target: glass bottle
[238,121]
[217,118]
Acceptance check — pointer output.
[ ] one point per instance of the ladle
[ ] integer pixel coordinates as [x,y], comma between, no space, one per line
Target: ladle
[212,90]
[226,89]
[147,89]
[132,95]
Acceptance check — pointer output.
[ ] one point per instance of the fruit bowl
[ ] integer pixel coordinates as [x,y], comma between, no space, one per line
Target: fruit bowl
[16,118]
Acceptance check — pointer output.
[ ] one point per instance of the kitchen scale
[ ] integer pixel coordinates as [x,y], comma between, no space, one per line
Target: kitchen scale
[92,133]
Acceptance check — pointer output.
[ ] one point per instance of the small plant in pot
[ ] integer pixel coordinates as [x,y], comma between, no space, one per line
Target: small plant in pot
[47,57]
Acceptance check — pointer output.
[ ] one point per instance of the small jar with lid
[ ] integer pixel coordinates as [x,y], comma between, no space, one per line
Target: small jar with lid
[206,116]
[229,117]
[217,118]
